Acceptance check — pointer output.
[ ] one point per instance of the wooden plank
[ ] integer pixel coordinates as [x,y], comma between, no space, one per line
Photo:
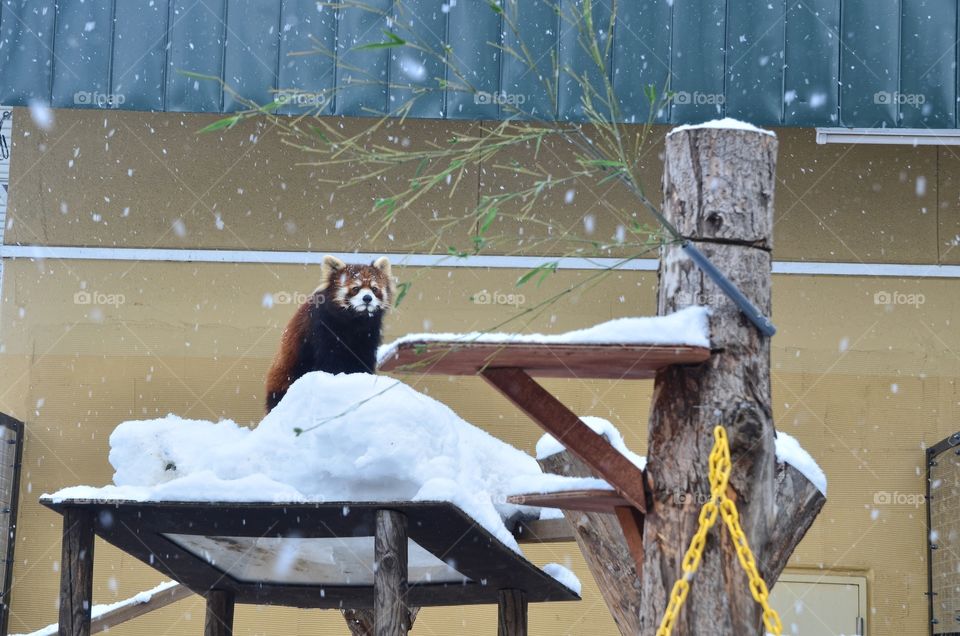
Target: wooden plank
[584,500]
[631,522]
[610,362]
[512,613]
[219,618]
[577,437]
[123,614]
[543,531]
[76,572]
[390,616]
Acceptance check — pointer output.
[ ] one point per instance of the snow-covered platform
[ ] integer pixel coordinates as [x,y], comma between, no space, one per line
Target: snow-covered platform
[625,348]
[316,555]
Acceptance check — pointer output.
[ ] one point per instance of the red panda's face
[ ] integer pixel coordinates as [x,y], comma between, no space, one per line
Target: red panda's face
[365,289]
[361,288]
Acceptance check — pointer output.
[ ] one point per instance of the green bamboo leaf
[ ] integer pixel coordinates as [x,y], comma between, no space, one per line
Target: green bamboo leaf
[544,270]
[402,288]
[392,40]
[651,92]
[226,122]
[488,219]
[390,203]
[493,4]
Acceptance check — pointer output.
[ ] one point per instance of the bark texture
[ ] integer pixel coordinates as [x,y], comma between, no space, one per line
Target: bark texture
[76,572]
[718,191]
[512,613]
[390,575]
[219,615]
[604,548]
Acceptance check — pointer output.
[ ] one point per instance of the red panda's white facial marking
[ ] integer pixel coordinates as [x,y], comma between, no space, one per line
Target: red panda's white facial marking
[360,289]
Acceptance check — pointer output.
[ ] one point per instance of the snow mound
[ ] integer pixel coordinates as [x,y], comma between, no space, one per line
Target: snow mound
[728,123]
[548,444]
[365,438]
[689,326]
[790,452]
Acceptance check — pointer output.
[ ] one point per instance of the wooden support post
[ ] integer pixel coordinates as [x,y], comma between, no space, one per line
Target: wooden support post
[76,572]
[390,615]
[512,613]
[219,620]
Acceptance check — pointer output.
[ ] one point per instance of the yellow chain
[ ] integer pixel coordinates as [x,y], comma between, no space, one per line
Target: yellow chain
[720,467]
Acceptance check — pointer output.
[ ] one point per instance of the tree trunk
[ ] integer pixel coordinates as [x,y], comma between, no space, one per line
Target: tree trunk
[360,621]
[718,191]
[604,548]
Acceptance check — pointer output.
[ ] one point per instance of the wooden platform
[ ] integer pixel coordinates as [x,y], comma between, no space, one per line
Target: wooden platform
[611,362]
[583,500]
[175,539]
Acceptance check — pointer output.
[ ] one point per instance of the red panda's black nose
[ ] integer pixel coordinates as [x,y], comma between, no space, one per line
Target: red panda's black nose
[367,298]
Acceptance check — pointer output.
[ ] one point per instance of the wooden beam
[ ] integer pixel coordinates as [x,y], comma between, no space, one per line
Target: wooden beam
[512,613]
[555,418]
[391,617]
[609,361]
[76,572]
[543,531]
[631,522]
[219,620]
[606,501]
[107,620]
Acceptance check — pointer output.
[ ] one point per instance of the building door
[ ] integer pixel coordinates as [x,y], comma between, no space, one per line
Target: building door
[821,605]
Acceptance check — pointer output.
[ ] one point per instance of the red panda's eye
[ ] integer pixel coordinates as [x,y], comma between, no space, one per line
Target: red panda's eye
[354,289]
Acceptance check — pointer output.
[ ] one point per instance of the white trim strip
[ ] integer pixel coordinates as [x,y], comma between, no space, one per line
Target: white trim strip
[309,258]
[890,136]
[889,270]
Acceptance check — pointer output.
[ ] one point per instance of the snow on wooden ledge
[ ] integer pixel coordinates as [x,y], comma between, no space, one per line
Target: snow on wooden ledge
[687,327]
[788,451]
[727,123]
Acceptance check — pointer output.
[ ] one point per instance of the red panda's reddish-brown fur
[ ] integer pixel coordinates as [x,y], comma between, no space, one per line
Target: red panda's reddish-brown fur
[337,329]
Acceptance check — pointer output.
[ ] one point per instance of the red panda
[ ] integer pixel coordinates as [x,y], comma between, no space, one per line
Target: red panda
[337,329]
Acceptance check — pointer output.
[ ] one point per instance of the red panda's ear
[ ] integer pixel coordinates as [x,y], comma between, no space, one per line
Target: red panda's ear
[383,264]
[330,265]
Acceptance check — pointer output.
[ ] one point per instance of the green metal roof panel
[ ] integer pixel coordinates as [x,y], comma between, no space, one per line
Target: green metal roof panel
[754,59]
[812,70]
[773,62]
[928,59]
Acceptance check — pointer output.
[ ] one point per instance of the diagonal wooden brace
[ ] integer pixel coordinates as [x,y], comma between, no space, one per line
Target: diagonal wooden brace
[555,418]
[590,447]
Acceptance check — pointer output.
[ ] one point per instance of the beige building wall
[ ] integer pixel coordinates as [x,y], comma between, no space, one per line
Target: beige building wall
[864,387]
